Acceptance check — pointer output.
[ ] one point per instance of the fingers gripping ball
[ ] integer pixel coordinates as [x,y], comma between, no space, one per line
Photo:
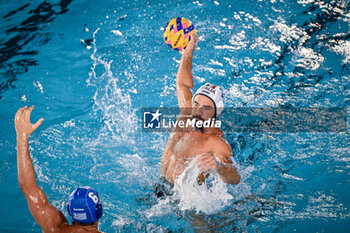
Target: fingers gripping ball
[177,33]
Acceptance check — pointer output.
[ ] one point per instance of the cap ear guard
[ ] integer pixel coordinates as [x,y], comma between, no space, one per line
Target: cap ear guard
[219,97]
[220,107]
[99,211]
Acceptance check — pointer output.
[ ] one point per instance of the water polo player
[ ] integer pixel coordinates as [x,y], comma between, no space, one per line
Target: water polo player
[205,145]
[84,204]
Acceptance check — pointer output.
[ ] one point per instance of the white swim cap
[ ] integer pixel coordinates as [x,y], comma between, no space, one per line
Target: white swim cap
[214,93]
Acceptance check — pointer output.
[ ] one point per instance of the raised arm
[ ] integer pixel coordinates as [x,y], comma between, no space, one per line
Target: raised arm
[46,215]
[184,78]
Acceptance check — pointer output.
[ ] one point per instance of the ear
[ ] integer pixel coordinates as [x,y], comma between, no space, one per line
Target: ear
[98,211]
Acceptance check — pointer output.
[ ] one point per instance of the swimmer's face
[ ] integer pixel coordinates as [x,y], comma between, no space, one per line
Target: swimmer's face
[203,108]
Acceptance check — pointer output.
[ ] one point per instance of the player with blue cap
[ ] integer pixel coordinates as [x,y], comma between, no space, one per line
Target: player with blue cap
[84,203]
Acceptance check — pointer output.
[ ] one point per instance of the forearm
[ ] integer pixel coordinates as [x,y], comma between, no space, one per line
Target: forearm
[228,173]
[25,169]
[184,75]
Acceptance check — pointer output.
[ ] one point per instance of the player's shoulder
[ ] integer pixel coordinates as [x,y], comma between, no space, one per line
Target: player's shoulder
[218,139]
[74,229]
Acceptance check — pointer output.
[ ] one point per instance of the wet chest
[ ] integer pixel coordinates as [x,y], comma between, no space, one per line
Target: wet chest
[192,144]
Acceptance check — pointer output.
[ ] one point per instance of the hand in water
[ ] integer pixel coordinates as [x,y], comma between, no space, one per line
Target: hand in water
[191,46]
[206,161]
[24,127]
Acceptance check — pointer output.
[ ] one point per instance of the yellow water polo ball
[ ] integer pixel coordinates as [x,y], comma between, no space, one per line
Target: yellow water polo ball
[177,33]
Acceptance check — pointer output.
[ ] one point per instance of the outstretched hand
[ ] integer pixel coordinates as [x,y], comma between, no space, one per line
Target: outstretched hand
[191,46]
[24,127]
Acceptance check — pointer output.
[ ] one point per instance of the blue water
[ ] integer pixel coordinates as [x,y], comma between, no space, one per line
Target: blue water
[90,66]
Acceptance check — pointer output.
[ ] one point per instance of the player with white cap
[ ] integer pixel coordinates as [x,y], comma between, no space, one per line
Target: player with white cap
[206,145]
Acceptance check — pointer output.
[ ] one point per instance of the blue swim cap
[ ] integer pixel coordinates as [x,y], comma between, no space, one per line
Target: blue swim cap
[84,205]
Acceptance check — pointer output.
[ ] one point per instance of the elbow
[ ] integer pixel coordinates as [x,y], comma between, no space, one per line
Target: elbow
[230,177]
[237,179]
[182,85]
[23,187]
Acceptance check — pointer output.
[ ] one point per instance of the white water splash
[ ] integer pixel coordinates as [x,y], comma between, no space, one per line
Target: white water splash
[305,2]
[243,16]
[308,58]
[266,45]
[209,198]
[117,32]
[303,57]
[341,47]
[38,85]
[115,104]
[200,198]
[289,33]
[238,41]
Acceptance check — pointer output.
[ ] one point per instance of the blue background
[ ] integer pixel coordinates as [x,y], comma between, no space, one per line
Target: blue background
[90,66]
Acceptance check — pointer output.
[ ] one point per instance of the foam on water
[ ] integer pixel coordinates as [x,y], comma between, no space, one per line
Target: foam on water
[208,198]
[341,47]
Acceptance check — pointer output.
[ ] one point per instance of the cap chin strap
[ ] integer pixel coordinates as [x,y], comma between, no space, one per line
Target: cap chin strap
[201,129]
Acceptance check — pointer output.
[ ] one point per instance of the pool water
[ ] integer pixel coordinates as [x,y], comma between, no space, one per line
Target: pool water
[89,67]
